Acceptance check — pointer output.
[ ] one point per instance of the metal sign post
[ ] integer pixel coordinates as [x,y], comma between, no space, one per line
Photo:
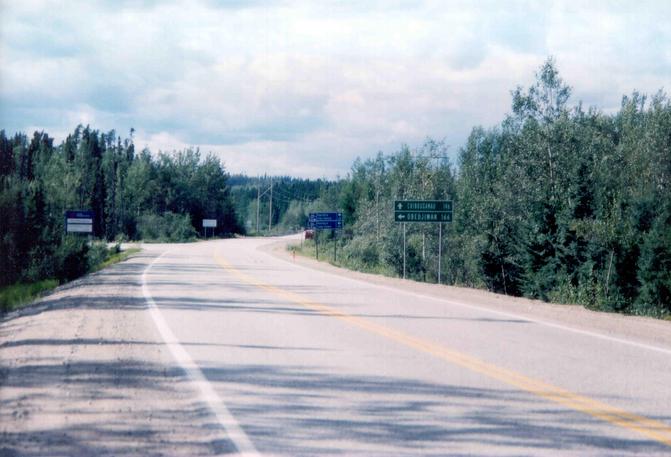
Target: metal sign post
[325,221]
[424,211]
[209,223]
[404,250]
[440,247]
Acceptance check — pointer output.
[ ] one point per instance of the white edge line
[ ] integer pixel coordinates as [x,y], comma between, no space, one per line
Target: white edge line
[484,309]
[207,393]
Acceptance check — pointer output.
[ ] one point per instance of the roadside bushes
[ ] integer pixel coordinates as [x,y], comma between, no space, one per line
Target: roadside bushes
[71,259]
[18,294]
[168,227]
[98,253]
[66,259]
[362,255]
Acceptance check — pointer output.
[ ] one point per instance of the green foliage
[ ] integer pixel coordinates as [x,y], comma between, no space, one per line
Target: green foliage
[100,172]
[169,227]
[292,200]
[555,203]
[13,296]
[295,216]
[70,259]
[97,254]
[97,257]
[654,269]
[115,256]
[347,256]
[363,253]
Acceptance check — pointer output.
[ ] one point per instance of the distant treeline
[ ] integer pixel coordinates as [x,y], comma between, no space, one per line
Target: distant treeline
[292,200]
[557,203]
[134,196]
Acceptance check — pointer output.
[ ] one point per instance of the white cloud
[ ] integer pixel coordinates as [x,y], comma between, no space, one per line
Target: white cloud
[304,88]
[607,52]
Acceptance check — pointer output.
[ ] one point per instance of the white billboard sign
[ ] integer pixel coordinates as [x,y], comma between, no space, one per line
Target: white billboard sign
[79,221]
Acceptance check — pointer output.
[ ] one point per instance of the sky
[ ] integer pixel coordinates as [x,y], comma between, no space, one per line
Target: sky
[304,88]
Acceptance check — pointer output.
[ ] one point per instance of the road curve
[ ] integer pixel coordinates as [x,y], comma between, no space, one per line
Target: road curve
[222,348]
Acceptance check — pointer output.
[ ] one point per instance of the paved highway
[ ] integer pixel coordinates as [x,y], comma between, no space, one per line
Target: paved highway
[224,347]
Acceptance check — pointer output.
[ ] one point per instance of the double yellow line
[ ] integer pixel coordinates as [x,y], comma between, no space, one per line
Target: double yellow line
[650,428]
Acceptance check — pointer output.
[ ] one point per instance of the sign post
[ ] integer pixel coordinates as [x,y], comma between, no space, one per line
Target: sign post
[404,250]
[440,247]
[209,223]
[325,221]
[424,211]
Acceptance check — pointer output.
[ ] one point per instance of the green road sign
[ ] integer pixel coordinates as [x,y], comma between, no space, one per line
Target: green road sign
[413,216]
[423,211]
[431,206]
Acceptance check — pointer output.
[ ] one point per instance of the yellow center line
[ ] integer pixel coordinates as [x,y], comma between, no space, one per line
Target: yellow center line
[650,428]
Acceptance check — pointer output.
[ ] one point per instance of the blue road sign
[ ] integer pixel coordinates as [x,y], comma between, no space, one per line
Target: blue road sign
[79,214]
[79,221]
[325,221]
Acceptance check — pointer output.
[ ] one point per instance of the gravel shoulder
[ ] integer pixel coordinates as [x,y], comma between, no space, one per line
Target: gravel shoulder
[84,372]
[636,329]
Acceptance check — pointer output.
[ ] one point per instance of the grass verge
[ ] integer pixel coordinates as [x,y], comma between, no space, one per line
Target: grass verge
[116,258]
[17,295]
[307,249]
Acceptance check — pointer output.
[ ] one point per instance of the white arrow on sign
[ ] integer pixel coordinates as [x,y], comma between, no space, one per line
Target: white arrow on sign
[401,216]
[400,205]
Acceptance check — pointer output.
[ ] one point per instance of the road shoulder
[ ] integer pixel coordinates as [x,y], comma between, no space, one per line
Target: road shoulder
[84,372]
[637,330]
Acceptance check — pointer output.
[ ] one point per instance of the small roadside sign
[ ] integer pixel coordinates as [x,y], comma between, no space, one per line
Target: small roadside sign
[79,221]
[325,221]
[209,223]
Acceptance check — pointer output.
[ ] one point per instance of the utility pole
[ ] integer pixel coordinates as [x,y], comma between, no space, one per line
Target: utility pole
[260,194]
[270,208]
[258,203]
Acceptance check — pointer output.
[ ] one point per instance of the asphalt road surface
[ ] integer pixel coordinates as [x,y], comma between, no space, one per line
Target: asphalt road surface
[233,347]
